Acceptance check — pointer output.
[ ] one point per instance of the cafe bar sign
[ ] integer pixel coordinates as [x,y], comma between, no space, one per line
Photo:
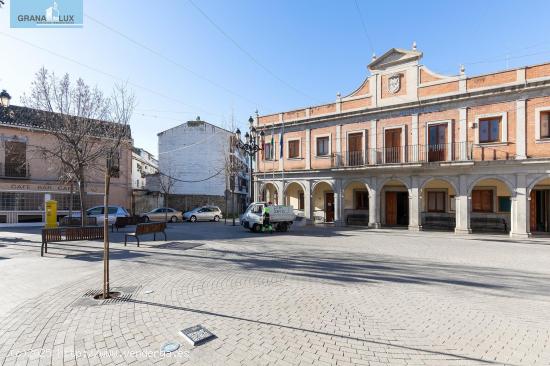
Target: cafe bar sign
[36,187]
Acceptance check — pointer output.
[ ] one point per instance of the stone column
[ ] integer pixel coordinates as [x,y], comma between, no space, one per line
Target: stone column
[308,149]
[463,133]
[520,129]
[415,223]
[307,202]
[520,209]
[414,133]
[338,202]
[463,203]
[372,142]
[374,206]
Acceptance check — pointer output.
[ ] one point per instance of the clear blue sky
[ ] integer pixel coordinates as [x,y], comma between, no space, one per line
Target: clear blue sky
[317,47]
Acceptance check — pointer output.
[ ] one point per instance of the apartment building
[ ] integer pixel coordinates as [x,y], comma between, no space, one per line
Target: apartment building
[27,178]
[197,154]
[143,164]
[413,148]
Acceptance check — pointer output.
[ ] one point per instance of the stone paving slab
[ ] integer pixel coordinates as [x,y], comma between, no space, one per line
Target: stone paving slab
[309,297]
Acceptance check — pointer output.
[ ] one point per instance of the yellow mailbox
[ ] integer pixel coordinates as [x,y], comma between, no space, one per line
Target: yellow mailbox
[51,214]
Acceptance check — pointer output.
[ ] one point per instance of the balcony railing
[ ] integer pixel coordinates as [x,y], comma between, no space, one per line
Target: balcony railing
[15,170]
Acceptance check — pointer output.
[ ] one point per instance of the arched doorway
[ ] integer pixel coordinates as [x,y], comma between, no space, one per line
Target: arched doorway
[438,205]
[539,207]
[295,196]
[491,206]
[395,203]
[356,204]
[323,203]
[269,193]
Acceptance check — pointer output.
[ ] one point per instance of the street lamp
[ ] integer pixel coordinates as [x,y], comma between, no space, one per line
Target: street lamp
[250,147]
[5,98]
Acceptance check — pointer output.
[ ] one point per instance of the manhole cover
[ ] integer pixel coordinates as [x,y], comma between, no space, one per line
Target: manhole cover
[170,347]
[197,335]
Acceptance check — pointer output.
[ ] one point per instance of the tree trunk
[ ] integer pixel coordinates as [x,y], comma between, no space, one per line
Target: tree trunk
[82,194]
[71,202]
[106,286]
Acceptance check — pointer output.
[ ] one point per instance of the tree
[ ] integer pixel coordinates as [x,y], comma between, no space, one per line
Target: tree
[166,183]
[87,126]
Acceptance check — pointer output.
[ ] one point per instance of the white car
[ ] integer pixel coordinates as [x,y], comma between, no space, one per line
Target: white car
[97,212]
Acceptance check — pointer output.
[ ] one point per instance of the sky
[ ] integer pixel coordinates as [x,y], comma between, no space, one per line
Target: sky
[223,60]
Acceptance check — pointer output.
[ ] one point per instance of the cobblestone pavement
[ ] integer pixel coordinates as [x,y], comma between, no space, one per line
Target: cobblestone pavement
[312,296]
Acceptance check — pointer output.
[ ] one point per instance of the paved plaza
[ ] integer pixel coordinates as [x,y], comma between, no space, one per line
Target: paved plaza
[313,296]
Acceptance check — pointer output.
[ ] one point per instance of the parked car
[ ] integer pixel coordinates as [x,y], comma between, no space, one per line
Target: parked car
[97,212]
[162,214]
[204,213]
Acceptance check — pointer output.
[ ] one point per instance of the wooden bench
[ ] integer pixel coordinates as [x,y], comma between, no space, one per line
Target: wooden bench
[357,219]
[125,221]
[489,223]
[69,234]
[148,228]
[438,221]
[75,221]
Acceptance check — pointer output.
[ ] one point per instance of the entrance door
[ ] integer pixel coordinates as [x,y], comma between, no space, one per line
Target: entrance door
[329,207]
[355,151]
[402,208]
[391,208]
[540,210]
[393,145]
[437,137]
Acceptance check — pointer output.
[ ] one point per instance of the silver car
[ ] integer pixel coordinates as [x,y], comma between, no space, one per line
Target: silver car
[161,214]
[205,213]
[97,212]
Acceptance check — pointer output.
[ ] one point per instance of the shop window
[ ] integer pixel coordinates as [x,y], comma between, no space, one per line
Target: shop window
[29,218]
[482,200]
[361,200]
[436,201]
[294,149]
[3,219]
[323,146]
[489,130]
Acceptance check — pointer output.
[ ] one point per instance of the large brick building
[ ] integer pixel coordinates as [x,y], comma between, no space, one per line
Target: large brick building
[414,148]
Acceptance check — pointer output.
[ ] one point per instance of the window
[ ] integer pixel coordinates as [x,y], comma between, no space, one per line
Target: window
[294,149]
[95,211]
[482,200]
[361,200]
[322,146]
[545,125]
[268,151]
[15,159]
[436,201]
[504,204]
[489,130]
[301,200]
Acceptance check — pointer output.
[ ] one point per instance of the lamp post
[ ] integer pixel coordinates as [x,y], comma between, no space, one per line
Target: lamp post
[250,147]
[5,99]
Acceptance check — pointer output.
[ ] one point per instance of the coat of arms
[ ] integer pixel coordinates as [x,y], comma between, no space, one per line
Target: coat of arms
[394,83]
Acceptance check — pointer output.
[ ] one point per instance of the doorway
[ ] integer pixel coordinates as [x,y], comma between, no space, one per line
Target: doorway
[397,208]
[392,145]
[437,137]
[329,207]
[540,211]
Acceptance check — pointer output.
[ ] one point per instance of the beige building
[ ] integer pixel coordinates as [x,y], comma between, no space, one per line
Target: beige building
[413,148]
[26,178]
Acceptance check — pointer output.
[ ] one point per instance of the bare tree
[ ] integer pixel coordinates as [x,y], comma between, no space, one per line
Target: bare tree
[166,184]
[74,115]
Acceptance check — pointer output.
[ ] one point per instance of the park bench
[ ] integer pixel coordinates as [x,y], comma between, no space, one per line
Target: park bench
[438,221]
[147,228]
[357,219]
[75,221]
[121,222]
[69,234]
[488,223]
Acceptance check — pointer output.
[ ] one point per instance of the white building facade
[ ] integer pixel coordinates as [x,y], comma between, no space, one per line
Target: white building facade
[143,164]
[196,154]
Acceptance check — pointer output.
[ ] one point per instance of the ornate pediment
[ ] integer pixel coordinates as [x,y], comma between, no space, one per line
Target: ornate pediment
[393,57]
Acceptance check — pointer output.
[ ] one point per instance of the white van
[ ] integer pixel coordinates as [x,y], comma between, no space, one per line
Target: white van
[280,216]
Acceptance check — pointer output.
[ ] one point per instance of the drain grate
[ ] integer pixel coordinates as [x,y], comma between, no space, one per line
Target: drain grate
[87,298]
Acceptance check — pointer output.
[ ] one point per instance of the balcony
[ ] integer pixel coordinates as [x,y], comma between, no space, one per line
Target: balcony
[15,171]
[415,154]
